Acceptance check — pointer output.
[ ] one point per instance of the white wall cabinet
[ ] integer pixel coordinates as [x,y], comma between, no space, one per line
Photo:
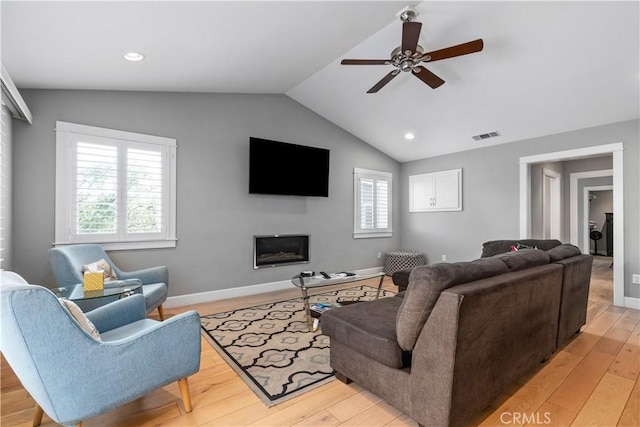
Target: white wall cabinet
[437,191]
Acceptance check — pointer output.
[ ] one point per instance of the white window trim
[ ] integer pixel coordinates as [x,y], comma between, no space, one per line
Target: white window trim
[357,233]
[64,133]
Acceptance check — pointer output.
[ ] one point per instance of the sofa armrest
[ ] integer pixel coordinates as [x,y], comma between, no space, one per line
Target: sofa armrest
[118,313]
[481,337]
[122,283]
[147,276]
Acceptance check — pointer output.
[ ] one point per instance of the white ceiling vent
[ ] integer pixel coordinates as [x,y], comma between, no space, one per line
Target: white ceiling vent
[486,135]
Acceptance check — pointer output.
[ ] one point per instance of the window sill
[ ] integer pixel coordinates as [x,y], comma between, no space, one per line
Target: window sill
[372,235]
[123,246]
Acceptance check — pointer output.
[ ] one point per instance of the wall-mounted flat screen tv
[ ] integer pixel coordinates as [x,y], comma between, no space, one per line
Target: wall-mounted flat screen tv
[287,169]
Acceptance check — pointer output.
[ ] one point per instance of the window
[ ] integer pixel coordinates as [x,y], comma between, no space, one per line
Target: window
[372,203]
[115,188]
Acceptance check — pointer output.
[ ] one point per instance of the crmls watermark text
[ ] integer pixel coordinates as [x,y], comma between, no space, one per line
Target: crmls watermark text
[524,418]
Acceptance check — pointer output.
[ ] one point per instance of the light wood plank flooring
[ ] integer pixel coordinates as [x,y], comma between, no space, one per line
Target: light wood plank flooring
[591,381]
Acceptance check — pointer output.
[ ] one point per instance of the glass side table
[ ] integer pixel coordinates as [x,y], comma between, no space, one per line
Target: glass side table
[119,288]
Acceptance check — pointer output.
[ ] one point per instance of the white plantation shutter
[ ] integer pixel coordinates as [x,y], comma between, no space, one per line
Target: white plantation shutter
[382,204]
[372,207]
[366,204]
[115,188]
[144,191]
[96,188]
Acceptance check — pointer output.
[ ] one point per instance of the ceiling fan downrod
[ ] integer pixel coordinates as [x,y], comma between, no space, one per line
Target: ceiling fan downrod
[408,15]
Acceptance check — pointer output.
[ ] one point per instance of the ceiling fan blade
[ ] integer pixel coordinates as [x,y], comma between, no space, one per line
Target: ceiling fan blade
[428,77]
[453,51]
[364,61]
[386,79]
[410,35]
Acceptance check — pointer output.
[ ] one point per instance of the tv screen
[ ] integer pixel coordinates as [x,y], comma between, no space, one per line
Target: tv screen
[287,169]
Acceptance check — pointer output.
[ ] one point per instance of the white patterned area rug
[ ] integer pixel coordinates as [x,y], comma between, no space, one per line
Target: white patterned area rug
[271,348]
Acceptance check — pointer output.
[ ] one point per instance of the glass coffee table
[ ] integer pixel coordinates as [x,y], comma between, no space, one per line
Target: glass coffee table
[307,282]
[116,288]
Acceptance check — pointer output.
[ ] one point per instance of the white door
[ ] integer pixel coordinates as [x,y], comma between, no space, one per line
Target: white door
[551,204]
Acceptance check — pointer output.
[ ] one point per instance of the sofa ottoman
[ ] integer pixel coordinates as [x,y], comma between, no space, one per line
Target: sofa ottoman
[401,279]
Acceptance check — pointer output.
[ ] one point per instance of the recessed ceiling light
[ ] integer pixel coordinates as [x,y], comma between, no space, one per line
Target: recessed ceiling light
[133,56]
[409,136]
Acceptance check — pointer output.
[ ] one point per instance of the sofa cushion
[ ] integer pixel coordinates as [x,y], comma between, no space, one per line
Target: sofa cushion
[495,247]
[368,328]
[524,258]
[425,285]
[563,251]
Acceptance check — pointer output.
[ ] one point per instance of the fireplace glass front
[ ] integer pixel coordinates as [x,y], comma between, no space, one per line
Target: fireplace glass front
[280,249]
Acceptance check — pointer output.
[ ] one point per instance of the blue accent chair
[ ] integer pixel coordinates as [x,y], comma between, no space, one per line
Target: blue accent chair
[73,376]
[67,262]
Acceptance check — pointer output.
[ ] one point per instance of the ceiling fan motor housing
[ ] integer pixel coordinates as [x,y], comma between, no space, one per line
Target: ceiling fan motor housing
[407,62]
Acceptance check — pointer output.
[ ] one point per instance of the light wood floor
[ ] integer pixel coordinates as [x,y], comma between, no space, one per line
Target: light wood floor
[592,381]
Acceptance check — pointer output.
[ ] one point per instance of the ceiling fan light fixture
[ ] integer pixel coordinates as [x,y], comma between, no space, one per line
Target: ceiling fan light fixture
[133,56]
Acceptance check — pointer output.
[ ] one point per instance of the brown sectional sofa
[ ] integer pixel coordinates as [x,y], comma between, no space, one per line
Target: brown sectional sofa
[462,332]
[490,248]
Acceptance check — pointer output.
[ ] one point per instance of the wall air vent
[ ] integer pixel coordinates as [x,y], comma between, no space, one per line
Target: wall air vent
[486,136]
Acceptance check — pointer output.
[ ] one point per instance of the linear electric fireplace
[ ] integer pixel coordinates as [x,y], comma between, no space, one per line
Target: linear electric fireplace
[280,249]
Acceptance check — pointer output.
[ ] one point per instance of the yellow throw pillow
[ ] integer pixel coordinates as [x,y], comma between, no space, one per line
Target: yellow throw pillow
[80,317]
[109,273]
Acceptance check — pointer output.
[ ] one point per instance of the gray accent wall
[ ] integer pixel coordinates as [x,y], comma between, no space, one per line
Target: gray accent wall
[216,218]
[490,195]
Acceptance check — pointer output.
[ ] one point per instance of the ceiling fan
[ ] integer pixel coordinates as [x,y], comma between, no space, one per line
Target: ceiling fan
[410,54]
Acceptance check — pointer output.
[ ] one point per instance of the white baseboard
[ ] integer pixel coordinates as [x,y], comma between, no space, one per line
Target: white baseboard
[243,291]
[630,302]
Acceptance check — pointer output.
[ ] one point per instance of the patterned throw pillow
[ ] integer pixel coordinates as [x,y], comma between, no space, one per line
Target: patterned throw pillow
[519,246]
[80,317]
[109,273]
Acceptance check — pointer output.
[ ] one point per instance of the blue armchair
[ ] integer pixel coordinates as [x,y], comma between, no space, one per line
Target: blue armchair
[73,376]
[67,262]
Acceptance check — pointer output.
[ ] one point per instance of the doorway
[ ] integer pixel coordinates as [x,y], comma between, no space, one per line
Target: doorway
[617,152]
[597,202]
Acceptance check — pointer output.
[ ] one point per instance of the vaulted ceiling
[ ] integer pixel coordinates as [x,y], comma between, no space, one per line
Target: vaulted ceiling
[547,67]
